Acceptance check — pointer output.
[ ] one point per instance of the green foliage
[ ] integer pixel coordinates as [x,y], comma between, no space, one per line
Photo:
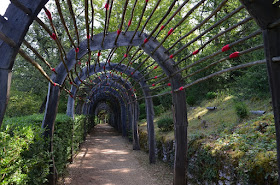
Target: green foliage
[248,154]
[252,149]
[158,109]
[253,83]
[165,100]
[156,101]
[204,166]
[241,109]
[130,135]
[23,103]
[165,124]
[142,108]
[211,95]
[25,157]
[191,100]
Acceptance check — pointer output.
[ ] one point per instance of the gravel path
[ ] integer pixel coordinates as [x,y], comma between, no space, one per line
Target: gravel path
[108,159]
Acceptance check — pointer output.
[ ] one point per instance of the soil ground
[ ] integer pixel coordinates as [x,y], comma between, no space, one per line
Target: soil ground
[106,158]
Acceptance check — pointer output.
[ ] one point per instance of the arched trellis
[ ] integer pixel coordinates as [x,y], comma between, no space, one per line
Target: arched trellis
[105,95]
[133,108]
[94,105]
[104,106]
[268,21]
[120,98]
[149,104]
[117,89]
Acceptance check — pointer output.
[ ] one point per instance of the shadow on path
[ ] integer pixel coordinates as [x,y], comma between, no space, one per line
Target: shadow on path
[108,159]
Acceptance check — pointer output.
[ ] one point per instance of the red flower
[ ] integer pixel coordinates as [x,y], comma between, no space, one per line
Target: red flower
[234,55]
[53,36]
[106,6]
[225,48]
[195,52]
[170,31]
[146,40]
[48,13]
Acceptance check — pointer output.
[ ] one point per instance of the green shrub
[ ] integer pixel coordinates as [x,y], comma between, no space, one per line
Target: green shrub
[25,157]
[211,95]
[253,83]
[166,100]
[241,109]
[191,100]
[158,109]
[142,108]
[22,104]
[165,124]
[156,101]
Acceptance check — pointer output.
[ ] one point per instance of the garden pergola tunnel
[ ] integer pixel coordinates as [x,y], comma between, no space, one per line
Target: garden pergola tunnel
[22,13]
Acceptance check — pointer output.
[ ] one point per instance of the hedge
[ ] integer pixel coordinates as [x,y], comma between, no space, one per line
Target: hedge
[24,158]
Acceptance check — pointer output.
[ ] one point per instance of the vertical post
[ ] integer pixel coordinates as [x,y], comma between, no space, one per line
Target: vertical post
[151,130]
[266,12]
[180,126]
[271,41]
[136,144]
[5,82]
[123,119]
[48,125]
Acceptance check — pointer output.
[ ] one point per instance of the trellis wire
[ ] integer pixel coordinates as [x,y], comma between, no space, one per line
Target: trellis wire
[150,16]
[26,57]
[173,15]
[131,16]
[140,19]
[121,25]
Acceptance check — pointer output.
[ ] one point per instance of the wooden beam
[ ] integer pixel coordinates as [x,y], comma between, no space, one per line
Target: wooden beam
[266,14]
[263,11]
[5,83]
[271,41]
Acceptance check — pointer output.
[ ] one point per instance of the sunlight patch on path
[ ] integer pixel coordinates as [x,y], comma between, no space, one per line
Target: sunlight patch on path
[108,159]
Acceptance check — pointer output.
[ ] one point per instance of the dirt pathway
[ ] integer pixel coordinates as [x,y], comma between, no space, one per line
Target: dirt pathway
[108,159]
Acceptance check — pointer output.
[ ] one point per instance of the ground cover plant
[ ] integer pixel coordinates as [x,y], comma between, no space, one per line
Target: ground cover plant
[229,149]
